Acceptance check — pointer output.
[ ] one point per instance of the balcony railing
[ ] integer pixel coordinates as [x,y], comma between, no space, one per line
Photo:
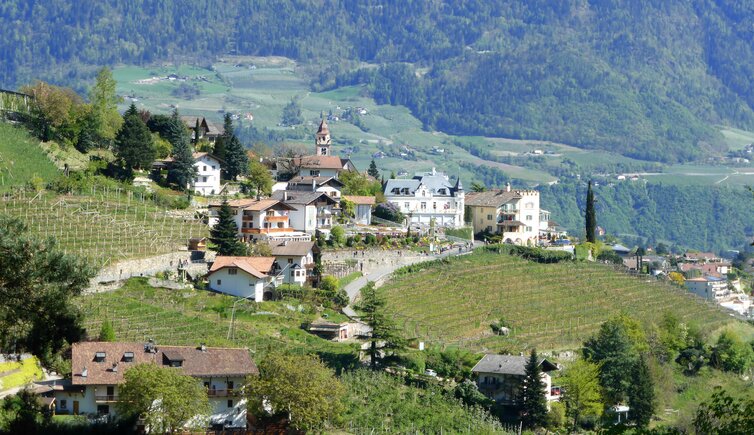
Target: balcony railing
[105,398]
[230,392]
[266,230]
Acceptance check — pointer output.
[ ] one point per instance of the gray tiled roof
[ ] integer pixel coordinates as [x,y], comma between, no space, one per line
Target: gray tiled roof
[299,197]
[508,364]
[490,198]
[433,181]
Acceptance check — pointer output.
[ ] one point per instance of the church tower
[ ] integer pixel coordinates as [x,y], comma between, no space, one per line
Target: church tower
[322,142]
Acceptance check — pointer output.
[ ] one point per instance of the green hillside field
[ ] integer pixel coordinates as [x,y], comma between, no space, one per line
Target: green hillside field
[21,159]
[547,306]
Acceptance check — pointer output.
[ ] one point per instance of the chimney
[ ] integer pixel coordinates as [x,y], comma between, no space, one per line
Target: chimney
[202,347]
[84,372]
[507,187]
[115,367]
[285,195]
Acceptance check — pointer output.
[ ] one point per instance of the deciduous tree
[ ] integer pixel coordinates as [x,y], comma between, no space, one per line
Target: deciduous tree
[301,388]
[104,102]
[166,399]
[259,179]
[581,387]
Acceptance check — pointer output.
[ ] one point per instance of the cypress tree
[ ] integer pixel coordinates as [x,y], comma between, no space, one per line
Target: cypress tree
[183,171]
[532,403]
[591,218]
[133,143]
[224,235]
[196,132]
[641,394]
[373,171]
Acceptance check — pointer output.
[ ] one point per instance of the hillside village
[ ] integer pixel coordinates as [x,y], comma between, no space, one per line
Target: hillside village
[314,234]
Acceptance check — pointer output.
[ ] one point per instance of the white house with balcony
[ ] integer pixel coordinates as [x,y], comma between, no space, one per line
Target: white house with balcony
[207,181]
[426,197]
[97,373]
[261,219]
[310,211]
[709,287]
[499,377]
[294,261]
[513,214]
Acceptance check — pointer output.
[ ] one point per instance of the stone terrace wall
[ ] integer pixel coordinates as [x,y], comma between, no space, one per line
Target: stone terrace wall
[342,262]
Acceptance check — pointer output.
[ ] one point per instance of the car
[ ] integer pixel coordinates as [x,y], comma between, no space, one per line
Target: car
[430,372]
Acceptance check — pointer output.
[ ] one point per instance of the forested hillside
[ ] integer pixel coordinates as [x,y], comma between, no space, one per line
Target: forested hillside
[647,79]
[701,217]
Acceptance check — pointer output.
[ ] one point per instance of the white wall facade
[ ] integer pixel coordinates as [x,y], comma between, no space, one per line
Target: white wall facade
[363,214]
[207,181]
[240,284]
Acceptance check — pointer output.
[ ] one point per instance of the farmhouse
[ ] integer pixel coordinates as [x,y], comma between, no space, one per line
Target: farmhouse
[499,377]
[426,197]
[310,211]
[97,372]
[245,277]
[362,208]
[513,214]
[294,260]
[260,219]
[207,130]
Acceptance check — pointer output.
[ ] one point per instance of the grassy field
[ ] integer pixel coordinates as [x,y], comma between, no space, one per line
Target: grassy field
[189,317]
[21,159]
[553,306]
[16,374]
[104,227]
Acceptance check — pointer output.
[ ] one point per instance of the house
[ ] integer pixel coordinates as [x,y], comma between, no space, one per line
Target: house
[322,163]
[245,277]
[362,208]
[329,185]
[208,168]
[709,287]
[426,197]
[207,130]
[310,211]
[499,377]
[207,181]
[294,260]
[701,257]
[712,269]
[513,214]
[97,372]
[329,330]
[261,219]
[620,250]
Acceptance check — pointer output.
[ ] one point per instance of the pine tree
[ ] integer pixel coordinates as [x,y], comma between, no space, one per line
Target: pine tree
[591,218]
[532,403]
[182,172]
[373,171]
[222,141]
[383,328]
[175,129]
[133,143]
[224,235]
[641,394]
[236,159]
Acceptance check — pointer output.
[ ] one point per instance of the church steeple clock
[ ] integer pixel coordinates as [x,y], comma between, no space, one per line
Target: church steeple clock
[322,141]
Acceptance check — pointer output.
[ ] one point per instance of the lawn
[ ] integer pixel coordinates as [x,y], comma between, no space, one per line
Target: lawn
[189,317]
[548,306]
[22,159]
[104,227]
[16,374]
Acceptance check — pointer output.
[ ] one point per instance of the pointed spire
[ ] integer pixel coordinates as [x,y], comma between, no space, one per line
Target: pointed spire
[458,187]
[323,128]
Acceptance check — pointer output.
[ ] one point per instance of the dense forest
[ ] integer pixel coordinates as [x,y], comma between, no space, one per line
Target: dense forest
[699,217]
[647,79]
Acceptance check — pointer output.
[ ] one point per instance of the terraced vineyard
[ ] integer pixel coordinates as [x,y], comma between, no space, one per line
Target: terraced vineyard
[104,227]
[139,312]
[549,306]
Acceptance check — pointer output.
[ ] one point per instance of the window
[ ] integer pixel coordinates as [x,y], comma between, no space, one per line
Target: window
[323,150]
[423,205]
[219,282]
[176,363]
[232,271]
[99,356]
[314,173]
[406,205]
[205,168]
[63,404]
[528,217]
[230,403]
[290,261]
[230,385]
[489,217]
[103,409]
[128,357]
[206,385]
[434,205]
[528,229]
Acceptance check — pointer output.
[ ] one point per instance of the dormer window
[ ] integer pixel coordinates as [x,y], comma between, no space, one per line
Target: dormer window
[100,356]
[128,357]
[172,359]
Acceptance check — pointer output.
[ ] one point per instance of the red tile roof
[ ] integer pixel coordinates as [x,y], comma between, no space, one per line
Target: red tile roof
[361,200]
[258,267]
[320,162]
[213,361]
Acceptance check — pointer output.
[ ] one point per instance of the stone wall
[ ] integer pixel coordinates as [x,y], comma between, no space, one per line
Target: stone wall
[110,277]
[342,262]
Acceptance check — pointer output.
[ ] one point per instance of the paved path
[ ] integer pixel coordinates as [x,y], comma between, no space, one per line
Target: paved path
[353,289]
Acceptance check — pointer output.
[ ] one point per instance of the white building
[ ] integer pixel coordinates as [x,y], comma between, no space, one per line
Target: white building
[97,372]
[362,208]
[499,377]
[426,197]
[261,219]
[709,287]
[513,214]
[207,181]
[245,277]
[294,261]
[310,211]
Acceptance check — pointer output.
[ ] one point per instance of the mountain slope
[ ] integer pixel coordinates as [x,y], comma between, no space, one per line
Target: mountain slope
[647,79]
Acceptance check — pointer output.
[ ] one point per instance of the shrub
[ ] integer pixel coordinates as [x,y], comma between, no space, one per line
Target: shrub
[389,211]
[338,236]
